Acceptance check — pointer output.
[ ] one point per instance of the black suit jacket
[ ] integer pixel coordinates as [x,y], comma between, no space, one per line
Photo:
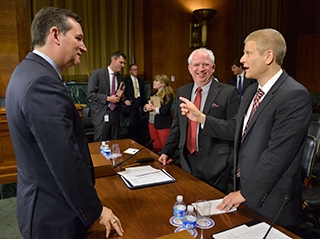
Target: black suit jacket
[271,152]
[55,186]
[246,82]
[216,155]
[129,95]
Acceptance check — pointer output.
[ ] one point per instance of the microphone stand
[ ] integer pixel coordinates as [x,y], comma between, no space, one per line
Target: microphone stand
[118,164]
[286,199]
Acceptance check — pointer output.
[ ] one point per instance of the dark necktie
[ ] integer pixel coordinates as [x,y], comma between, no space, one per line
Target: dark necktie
[193,126]
[256,103]
[240,86]
[113,91]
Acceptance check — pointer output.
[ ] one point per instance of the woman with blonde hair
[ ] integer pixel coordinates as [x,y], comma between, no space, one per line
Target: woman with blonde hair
[160,116]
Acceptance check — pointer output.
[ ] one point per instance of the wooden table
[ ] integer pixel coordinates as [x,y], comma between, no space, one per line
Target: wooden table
[145,212]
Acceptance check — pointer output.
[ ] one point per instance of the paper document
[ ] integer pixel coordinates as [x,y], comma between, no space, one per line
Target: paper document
[250,232]
[143,176]
[131,151]
[214,210]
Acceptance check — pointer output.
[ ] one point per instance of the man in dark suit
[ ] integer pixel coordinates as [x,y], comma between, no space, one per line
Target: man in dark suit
[105,90]
[239,79]
[135,99]
[269,142]
[55,189]
[212,159]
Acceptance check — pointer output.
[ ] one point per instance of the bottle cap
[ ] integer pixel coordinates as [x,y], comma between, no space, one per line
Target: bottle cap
[190,208]
[180,198]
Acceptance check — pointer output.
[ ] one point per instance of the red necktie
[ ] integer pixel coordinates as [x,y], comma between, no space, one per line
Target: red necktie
[256,103]
[113,90]
[193,126]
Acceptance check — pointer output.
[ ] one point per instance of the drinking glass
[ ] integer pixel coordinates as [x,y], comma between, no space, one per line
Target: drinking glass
[204,221]
[115,151]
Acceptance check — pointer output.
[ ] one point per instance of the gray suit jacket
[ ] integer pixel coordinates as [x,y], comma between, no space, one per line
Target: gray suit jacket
[98,90]
[55,187]
[271,152]
[216,155]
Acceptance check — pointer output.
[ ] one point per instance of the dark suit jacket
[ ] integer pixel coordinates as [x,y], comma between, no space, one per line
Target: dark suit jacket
[98,90]
[271,152]
[163,120]
[246,82]
[216,155]
[129,95]
[55,193]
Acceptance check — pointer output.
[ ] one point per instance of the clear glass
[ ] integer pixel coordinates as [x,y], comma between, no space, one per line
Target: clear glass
[204,221]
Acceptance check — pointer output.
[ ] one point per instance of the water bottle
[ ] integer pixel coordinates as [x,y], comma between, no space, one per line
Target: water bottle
[105,150]
[179,208]
[190,219]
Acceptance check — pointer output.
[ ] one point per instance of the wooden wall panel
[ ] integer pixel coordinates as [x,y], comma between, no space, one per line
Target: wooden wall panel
[308,60]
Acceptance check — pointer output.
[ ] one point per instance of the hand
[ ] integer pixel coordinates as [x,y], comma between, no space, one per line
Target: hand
[113,98]
[127,102]
[150,107]
[233,199]
[191,111]
[164,159]
[109,220]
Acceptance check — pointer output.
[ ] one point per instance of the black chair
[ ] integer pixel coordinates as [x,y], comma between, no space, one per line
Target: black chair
[314,129]
[310,196]
[316,117]
[87,124]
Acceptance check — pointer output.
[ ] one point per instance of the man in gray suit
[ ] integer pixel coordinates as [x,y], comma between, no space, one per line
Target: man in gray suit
[56,197]
[269,142]
[211,159]
[105,90]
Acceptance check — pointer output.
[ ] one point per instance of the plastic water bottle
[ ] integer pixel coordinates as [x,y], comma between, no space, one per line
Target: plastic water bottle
[190,219]
[179,208]
[105,150]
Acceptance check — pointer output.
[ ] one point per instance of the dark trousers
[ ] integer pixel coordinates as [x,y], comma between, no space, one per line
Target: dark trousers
[108,130]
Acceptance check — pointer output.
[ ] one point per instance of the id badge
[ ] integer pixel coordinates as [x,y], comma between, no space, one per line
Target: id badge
[106,118]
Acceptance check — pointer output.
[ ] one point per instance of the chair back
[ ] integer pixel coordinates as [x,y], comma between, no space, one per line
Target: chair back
[314,129]
[309,157]
[316,117]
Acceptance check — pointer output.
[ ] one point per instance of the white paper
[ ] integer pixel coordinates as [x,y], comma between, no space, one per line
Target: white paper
[252,232]
[144,175]
[214,210]
[131,151]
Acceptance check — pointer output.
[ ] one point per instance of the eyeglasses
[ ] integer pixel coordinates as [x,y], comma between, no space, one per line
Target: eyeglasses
[134,69]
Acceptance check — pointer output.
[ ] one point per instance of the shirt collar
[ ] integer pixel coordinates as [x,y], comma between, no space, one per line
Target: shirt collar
[50,61]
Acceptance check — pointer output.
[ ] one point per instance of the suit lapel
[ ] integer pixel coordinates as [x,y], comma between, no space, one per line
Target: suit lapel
[214,90]
[265,100]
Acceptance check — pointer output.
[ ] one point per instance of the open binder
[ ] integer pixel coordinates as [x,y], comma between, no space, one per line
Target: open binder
[145,176]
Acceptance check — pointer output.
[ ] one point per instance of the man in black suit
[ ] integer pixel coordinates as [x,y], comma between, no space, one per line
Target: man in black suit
[211,159]
[269,142]
[135,99]
[105,92]
[56,197]
[239,79]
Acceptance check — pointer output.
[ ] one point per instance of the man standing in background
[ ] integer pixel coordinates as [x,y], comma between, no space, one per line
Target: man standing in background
[135,99]
[239,79]
[105,90]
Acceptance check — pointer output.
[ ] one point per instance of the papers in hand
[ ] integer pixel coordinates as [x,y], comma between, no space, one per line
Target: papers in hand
[143,176]
[214,210]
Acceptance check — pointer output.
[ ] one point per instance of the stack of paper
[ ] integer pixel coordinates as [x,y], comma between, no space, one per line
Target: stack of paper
[143,176]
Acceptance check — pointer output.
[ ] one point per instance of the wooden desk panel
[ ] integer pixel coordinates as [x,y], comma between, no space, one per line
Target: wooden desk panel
[145,212]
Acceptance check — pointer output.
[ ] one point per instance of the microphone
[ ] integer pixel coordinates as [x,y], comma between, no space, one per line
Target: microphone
[147,145]
[285,201]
